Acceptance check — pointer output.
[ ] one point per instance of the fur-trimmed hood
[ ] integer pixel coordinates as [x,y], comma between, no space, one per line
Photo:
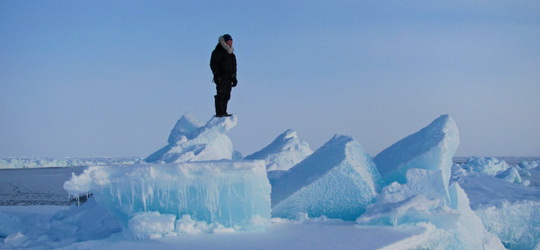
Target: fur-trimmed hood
[229,49]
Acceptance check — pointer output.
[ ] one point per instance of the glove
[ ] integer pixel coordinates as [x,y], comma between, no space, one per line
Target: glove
[217,80]
[234,81]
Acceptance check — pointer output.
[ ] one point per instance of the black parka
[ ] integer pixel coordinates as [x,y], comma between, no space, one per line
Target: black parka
[222,63]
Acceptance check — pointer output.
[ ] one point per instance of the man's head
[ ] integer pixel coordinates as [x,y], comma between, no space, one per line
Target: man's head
[228,39]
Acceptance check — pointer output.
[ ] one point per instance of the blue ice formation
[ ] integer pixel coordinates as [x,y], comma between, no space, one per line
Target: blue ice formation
[485,165]
[498,168]
[188,143]
[418,169]
[145,225]
[283,153]
[79,223]
[515,223]
[230,193]
[511,175]
[451,225]
[431,148]
[529,164]
[510,211]
[10,224]
[76,224]
[185,125]
[338,181]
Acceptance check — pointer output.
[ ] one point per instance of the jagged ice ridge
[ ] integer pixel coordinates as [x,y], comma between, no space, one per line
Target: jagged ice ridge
[410,184]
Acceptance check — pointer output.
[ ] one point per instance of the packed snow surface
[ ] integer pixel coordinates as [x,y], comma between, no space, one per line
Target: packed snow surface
[32,227]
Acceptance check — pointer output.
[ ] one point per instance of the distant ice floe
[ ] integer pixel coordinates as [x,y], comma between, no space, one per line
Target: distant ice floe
[485,165]
[499,168]
[50,162]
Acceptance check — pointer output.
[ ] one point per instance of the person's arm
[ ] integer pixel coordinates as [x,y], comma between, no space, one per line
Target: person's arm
[234,79]
[214,66]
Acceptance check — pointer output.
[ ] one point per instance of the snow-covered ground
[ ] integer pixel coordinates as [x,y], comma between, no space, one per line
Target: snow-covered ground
[279,234]
[196,194]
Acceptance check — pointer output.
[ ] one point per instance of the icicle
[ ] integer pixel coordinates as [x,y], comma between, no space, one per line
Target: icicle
[214,192]
[119,196]
[132,202]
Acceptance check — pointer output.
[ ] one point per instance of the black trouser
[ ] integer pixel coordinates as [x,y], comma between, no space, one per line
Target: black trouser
[223,96]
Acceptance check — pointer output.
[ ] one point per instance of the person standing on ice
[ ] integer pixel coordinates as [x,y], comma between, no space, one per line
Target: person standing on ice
[223,65]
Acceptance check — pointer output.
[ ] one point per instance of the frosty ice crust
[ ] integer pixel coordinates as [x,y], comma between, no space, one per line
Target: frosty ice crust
[417,171]
[508,210]
[187,124]
[454,226]
[338,181]
[189,143]
[284,152]
[232,194]
[431,148]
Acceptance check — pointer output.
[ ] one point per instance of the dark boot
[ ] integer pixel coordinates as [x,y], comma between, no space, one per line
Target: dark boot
[219,106]
[225,108]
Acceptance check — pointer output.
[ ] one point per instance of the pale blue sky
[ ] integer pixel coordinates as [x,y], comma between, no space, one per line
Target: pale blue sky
[110,78]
